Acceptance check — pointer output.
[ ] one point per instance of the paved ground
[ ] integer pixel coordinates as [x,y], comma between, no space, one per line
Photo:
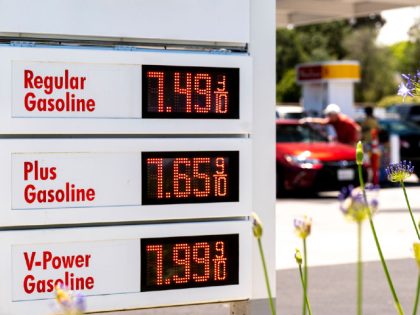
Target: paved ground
[333,239]
[332,289]
[332,256]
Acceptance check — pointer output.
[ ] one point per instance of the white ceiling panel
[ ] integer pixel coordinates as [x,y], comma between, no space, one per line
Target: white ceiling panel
[301,12]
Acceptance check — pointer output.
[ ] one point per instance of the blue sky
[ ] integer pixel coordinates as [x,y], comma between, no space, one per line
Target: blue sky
[398,23]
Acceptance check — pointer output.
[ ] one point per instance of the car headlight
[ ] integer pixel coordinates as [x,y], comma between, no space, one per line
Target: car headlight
[303,160]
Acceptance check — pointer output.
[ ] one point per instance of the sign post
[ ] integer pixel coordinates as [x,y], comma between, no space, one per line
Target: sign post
[130,172]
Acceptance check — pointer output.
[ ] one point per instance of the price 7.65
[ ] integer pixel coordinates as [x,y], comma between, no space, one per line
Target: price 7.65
[184,177]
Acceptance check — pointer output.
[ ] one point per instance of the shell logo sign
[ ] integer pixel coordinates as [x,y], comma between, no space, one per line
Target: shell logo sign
[342,70]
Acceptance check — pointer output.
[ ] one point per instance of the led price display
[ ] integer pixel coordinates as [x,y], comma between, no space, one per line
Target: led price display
[190,177]
[190,92]
[189,262]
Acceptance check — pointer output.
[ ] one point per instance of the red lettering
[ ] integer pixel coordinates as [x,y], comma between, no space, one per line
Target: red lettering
[87,257]
[38,82]
[29,75]
[69,280]
[28,285]
[69,103]
[27,168]
[29,261]
[90,282]
[39,172]
[79,261]
[46,258]
[69,194]
[68,261]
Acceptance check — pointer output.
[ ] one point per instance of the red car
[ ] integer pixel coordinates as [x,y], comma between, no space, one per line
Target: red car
[306,160]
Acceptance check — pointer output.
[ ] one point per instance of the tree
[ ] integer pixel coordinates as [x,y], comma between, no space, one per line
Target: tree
[412,52]
[346,39]
[304,44]
[289,51]
[377,69]
[407,53]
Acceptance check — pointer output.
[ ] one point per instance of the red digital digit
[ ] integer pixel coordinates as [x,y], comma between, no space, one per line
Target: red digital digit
[201,255]
[182,250]
[187,91]
[206,91]
[219,262]
[220,165]
[159,261]
[220,178]
[182,177]
[160,76]
[159,174]
[222,96]
[202,176]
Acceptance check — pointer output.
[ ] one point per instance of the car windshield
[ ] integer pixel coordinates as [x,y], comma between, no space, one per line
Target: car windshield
[298,133]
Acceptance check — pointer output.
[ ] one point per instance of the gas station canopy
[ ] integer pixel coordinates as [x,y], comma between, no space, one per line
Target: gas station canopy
[301,12]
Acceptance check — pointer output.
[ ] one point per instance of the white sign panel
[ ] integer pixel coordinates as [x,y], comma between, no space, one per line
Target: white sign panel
[87,91]
[68,180]
[115,267]
[72,181]
[157,20]
[95,268]
[45,89]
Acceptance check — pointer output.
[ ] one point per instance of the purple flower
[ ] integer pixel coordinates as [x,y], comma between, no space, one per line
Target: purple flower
[352,203]
[70,303]
[404,90]
[80,302]
[303,226]
[399,172]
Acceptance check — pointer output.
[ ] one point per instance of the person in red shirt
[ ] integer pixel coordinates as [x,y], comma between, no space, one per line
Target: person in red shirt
[347,130]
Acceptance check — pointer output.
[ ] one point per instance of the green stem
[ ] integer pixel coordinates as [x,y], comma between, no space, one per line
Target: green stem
[378,246]
[359,269]
[267,281]
[416,302]
[304,291]
[409,209]
[305,276]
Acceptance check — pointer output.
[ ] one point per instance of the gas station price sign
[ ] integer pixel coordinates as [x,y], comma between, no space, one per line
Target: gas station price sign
[190,177]
[190,92]
[189,262]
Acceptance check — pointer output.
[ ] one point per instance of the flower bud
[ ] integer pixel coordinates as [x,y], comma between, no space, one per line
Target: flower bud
[359,153]
[256,225]
[298,257]
[303,226]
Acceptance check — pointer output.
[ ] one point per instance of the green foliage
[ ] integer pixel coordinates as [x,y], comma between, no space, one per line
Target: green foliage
[354,39]
[287,89]
[396,99]
[412,52]
[407,53]
[377,76]
[399,52]
[289,51]
[319,42]
[323,42]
